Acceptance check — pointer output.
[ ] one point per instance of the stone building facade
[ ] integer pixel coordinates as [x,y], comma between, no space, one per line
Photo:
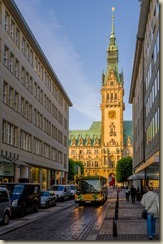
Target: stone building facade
[34,107]
[145,95]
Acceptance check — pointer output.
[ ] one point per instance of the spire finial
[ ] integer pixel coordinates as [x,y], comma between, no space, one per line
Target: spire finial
[113,9]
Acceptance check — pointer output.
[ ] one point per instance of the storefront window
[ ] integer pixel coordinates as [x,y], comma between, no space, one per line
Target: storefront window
[35,174]
[44,179]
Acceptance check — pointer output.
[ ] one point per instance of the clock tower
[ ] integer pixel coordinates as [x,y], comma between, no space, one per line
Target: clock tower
[112,107]
[108,140]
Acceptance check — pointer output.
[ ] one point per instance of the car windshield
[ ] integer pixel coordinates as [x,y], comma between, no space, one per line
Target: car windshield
[72,187]
[45,193]
[57,188]
[18,189]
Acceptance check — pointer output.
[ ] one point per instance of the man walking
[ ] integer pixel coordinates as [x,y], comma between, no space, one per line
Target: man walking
[133,193]
[150,201]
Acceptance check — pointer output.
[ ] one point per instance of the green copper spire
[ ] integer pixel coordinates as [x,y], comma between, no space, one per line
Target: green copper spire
[112,43]
[112,56]
[112,32]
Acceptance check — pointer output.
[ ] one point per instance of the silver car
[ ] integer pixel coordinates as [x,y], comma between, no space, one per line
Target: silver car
[48,198]
[5,206]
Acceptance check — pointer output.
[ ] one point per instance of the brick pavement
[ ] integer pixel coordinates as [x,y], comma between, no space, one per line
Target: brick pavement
[129,224]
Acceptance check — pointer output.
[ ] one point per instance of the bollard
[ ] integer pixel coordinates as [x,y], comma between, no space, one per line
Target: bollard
[117,195]
[117,203]
[116,212]
[114,227]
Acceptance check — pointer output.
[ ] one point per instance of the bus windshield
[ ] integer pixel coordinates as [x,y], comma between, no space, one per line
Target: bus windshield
[90,186]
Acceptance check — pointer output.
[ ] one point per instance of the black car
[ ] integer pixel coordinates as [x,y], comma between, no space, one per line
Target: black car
[24,197]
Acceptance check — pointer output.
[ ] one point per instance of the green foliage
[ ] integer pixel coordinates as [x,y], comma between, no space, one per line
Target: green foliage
[73,169]
[123,169]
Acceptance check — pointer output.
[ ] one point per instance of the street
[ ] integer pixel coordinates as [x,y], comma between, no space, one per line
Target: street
[66,221]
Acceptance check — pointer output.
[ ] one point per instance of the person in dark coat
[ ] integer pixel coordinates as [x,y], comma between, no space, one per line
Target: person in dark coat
[127,191]
[133,193]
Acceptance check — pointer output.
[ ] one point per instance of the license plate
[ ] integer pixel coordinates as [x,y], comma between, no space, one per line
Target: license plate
[87,201]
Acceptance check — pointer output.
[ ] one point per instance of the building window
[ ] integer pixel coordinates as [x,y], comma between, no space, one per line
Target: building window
[22,106]
[25,141]
[59,157]
[12,29]
[23,76]
[17,37]
[17,69]
[27,52]
[96,164]
[9,133]
[23,45]
[6,56]
[6,21]
[31,57]
[11,63]
[16,101]
[54,154]
[5,93]
[46,150]
[11,97]
[37,146]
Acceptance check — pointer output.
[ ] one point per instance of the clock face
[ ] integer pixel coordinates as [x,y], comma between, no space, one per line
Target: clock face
[112,114]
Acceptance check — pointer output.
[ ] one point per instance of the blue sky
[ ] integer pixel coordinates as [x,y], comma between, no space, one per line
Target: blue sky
[74,35]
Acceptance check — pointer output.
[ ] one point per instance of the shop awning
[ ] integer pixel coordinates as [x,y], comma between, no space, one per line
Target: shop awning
[6,160]
[20,163]
[141,176]
[17,162]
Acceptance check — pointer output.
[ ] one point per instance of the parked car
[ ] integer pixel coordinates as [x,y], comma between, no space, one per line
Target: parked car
[48,198]
[63,192]
[24,197]
[5,206]
[74,189]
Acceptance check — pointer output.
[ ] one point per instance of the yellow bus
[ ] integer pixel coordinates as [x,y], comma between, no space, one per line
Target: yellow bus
[91,189]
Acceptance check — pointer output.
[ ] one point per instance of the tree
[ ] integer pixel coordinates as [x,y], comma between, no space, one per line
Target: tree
[73,169]
[123,169]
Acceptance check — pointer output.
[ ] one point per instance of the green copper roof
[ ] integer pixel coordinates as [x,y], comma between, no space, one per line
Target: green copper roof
[94,132]
[127,131]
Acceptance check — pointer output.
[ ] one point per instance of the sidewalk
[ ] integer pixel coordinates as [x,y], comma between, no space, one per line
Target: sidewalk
[129,224]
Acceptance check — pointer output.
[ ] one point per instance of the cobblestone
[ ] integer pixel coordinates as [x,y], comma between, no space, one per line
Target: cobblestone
[129,224]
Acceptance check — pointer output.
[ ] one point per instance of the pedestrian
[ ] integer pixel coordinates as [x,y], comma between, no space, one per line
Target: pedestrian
[150,201]
[133,193]
[127,191]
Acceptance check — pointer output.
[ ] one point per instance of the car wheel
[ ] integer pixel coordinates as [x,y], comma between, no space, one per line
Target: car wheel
[36,208]
[62,199]
[6,219]
[22,213]
[47,205]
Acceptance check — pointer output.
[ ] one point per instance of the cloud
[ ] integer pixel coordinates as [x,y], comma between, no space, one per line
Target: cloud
[66,62]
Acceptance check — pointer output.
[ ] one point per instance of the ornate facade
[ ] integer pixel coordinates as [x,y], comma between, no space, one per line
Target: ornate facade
[106,142]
